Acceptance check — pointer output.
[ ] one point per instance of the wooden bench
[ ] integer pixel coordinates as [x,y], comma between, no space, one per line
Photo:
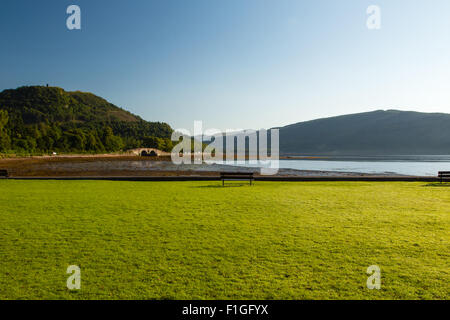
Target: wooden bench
[444,175]
[236,176]
[4,174]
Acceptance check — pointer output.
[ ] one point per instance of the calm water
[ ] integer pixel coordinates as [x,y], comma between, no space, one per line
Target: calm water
[405,165]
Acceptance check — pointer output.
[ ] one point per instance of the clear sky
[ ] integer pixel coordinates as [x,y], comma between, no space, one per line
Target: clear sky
[234,63]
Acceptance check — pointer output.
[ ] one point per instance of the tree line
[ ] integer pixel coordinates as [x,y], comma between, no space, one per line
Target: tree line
[16,137]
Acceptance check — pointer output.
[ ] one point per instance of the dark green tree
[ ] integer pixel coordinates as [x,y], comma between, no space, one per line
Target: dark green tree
[4,137]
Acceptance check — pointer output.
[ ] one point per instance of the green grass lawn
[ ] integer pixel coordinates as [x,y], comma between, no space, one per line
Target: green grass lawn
[197,240]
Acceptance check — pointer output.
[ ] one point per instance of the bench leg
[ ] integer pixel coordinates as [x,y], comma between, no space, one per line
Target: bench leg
[223,183]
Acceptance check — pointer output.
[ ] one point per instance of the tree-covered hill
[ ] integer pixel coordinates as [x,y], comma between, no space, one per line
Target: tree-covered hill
[40,119]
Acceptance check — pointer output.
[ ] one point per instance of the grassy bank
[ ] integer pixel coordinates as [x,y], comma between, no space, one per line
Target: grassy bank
[197,240]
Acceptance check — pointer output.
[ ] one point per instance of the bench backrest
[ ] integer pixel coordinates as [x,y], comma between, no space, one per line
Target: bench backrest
[248,175]
[444,173]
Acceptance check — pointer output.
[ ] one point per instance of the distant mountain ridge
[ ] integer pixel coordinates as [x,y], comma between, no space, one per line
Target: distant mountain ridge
[390,132]
[38,119]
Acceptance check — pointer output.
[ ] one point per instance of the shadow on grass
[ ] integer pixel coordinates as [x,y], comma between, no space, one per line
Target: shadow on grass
[438,184]
[219,186]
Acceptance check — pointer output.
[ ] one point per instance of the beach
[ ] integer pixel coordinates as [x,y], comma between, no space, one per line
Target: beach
[125,165]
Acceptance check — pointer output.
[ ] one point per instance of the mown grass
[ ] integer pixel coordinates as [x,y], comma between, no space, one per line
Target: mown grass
[197,240]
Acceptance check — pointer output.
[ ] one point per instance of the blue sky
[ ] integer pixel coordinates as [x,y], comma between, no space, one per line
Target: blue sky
[234,63]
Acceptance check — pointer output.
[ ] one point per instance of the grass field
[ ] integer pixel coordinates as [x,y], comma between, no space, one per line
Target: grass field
[196,240]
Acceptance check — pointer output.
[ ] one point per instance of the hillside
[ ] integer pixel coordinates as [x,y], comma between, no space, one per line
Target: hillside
[379,132]
[44,119]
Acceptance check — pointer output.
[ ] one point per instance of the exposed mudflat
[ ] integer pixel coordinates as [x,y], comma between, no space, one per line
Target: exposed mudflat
[109,165]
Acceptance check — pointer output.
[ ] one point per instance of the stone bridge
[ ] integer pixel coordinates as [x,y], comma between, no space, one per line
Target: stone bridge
[152,152]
